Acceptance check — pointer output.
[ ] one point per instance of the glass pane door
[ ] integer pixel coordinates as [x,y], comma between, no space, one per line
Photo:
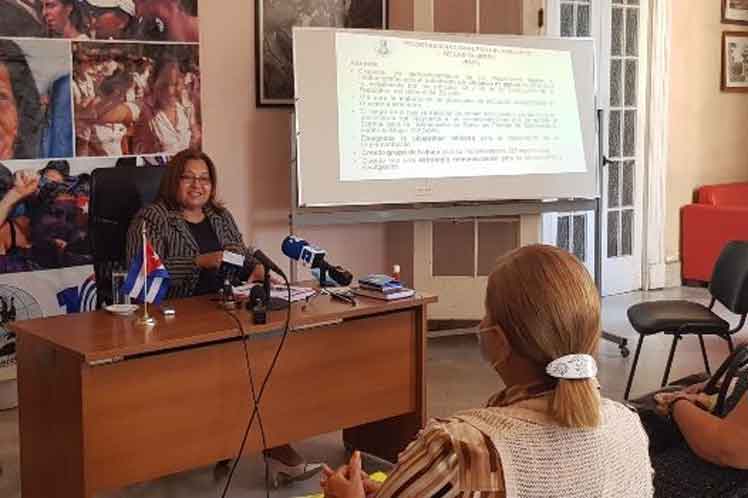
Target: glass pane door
[624,53]
[619,28]
[575,231]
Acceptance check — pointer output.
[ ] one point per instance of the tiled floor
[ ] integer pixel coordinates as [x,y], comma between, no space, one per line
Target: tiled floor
[457,379]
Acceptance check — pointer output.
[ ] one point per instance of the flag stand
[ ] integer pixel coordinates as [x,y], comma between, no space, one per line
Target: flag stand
[146,320]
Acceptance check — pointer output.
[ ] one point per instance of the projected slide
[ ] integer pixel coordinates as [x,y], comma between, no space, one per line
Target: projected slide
[435,109]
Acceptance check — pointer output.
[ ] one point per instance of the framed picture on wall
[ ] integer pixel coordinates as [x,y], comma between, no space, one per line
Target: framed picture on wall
[273,45]
[735,61]
[735,11]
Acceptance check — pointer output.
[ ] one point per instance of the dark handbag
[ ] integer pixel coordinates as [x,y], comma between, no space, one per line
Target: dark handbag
[679,472]
[662,432]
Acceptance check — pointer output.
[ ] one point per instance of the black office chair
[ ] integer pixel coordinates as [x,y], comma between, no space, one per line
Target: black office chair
[729,286]
[117,194]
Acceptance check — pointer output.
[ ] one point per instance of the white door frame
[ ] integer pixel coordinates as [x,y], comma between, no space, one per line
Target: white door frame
[553,18]
[550,220]
[620,274]
[626,273]
[658,135]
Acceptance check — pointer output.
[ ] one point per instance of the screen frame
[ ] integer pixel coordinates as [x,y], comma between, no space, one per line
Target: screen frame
[312,125]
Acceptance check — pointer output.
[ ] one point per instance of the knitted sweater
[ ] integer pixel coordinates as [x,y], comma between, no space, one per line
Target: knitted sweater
[541,460]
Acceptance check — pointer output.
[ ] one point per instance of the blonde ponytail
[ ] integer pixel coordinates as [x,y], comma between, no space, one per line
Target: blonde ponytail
[545,302]
[576,403]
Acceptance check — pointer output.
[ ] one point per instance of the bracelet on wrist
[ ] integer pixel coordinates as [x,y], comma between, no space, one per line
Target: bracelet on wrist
[671,407]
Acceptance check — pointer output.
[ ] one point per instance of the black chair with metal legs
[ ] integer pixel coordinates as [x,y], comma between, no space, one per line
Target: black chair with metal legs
[729,286]
[117,194]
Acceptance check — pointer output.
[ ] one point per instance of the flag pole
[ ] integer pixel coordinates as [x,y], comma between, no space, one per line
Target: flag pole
[146,320]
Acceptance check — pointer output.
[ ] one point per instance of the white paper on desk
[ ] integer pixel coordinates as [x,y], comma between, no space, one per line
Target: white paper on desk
[278,291]
[242,291]
[297,293]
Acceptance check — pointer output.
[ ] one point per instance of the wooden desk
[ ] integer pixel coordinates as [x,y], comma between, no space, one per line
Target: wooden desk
[104,403]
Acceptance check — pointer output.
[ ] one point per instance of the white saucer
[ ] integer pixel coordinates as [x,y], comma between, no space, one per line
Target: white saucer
[121,309]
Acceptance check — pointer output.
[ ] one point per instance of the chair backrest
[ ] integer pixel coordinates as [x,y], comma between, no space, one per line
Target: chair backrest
[117,194]
[731,398]
[725,194]
[734,370]
[729,284]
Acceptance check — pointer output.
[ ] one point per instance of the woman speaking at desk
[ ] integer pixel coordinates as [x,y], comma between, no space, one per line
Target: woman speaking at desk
[189,229]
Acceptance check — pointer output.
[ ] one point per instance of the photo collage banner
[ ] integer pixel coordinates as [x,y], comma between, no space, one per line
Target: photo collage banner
[84,84]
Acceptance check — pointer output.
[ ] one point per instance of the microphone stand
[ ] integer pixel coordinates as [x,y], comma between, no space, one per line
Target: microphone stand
[272,303]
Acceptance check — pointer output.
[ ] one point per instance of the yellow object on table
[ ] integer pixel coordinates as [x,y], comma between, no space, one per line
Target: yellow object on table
[377,476]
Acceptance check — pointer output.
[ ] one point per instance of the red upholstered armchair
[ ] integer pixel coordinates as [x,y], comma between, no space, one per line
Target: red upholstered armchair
[719,215]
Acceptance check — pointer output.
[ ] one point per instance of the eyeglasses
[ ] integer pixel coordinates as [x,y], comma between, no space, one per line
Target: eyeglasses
[202,180]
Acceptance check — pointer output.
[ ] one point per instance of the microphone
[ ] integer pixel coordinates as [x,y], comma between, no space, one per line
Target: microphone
[268,263]
[300,250]
[270,303]
[232,268]
[328,275]
[256,304]
[230,272]
[232,259]
[332,276]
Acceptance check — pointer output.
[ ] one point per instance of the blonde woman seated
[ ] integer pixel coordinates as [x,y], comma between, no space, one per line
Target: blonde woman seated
[548,433]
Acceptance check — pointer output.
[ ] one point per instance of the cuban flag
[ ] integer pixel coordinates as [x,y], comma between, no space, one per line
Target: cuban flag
[158,278]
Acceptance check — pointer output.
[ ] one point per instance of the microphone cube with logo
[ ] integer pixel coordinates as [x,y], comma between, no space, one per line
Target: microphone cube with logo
[312,256]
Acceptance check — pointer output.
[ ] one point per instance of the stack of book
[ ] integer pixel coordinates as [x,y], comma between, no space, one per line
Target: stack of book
[382,287]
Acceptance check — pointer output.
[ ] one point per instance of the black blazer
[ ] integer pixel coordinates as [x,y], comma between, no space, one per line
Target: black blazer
[172,240]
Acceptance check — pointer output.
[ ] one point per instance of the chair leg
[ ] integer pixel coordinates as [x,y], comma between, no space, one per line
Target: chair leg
[703,353]
[729,343]
[633,368]
[665,377]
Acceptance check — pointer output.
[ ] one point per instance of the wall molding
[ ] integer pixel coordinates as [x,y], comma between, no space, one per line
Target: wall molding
[673,274]
[553,17]
[657,146]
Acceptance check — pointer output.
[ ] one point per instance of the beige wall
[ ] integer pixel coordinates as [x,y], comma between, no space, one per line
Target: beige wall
[251,145]
[708,128]
[530,12]
[504,17]
[460,16]
[454,16]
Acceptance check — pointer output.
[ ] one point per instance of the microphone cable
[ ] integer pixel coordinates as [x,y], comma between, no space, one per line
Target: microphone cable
[257,396]
[256,404]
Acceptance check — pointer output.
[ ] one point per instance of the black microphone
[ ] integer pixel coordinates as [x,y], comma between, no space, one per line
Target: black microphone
[268,263]
[232,268]
[271,303]
[256,304]
[330,275]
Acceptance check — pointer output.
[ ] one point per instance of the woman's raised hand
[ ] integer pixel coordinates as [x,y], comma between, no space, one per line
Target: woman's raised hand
[25,183]
[349,481]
